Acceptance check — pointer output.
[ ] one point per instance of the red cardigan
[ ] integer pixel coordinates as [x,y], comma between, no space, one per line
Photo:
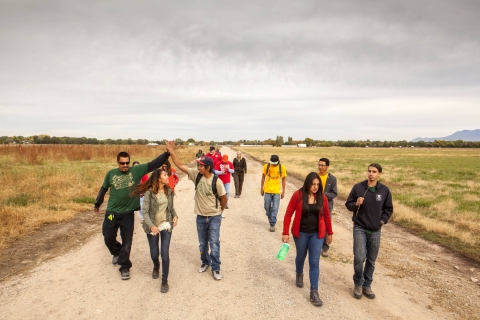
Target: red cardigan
[295,205]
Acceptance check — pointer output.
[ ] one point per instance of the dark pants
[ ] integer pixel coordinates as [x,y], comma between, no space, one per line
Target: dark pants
[325,245]
[238,180]
[125,222]
[164,238]
[366,245]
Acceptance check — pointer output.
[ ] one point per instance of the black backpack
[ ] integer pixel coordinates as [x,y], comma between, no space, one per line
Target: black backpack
[214,186]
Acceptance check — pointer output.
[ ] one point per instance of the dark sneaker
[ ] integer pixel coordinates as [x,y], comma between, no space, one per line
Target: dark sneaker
[315,299]
[324,253]
[203,268]
[217,275]
[155,273]
[299,282]
[115,260]
[367,291]
[357,292]
[125,273]
[226,207]
[272,228]
[164,287]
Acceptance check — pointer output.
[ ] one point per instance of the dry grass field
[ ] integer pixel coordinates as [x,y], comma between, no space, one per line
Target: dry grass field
[42,184]
[436,192]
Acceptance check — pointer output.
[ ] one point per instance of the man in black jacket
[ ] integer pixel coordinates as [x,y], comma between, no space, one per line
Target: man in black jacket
[372,206]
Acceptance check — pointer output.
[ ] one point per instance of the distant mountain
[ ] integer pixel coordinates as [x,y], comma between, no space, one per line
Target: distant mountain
[465,135]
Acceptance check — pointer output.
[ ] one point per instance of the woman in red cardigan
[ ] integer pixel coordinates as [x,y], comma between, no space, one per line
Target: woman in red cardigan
[310,223]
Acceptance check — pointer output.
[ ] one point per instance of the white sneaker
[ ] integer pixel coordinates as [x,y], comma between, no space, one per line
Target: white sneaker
[203,268]
[217,275]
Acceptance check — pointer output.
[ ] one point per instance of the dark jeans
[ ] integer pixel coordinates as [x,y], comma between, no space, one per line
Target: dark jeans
[309,242]
[325,245]
[238,180]
[366,245]
[125,222]
[164,236]
[208,229]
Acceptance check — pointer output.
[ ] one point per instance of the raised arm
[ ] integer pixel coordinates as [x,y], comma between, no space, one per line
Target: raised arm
[157,162]
[170,148]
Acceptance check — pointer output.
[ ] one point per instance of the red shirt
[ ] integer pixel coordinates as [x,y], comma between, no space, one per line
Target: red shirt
[222,166]
[173,179]
[215,158]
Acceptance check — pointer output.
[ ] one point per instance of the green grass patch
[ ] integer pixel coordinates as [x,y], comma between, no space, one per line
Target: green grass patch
[84,200]
[21,200]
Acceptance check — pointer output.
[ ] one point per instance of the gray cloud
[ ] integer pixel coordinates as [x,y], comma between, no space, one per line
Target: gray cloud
[218,70]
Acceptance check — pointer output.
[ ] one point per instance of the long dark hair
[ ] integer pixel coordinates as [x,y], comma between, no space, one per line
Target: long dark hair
[153,183]
[169,168]
[318,196]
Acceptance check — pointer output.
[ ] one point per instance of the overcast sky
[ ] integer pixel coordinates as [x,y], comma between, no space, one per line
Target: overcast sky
[229,70]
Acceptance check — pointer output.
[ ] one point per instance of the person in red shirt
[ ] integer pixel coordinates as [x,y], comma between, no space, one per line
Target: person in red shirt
[214,155]
[172,175]
[223,169]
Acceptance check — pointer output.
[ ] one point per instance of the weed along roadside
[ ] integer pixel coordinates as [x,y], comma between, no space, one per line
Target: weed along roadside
[430,281]
[45,184]
[436,192]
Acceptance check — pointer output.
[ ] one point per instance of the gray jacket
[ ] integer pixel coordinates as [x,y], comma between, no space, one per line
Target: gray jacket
[330,190]
[150,208]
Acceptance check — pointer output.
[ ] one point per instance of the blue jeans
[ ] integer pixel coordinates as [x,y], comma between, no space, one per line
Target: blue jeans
[309,242]
[271,202]
[227,190]
[366,245]
[141,206]
[208,229]
[164,236]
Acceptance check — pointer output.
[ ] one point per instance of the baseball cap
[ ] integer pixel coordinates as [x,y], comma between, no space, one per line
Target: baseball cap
[206,161]
[274,159]
[225,158]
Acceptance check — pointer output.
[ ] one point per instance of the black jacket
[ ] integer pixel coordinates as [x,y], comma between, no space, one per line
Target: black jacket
[240,166]
[377,206]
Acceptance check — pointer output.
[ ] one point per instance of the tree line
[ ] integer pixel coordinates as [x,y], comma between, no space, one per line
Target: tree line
[277,142]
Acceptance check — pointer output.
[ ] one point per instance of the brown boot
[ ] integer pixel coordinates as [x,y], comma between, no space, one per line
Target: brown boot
[367,291]
[164,287]
[315,298]
[299,281]
[357,292]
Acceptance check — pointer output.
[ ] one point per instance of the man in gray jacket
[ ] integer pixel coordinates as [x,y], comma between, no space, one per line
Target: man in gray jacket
[329,187]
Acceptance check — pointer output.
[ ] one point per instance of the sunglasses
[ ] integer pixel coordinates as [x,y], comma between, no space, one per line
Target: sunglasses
[124,163]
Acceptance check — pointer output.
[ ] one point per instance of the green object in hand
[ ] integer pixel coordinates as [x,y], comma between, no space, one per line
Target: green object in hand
[283,251]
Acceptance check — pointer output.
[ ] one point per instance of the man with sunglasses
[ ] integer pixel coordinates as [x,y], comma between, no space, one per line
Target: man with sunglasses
[121,207]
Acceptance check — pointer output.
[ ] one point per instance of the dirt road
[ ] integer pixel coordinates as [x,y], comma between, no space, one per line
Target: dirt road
[414,279]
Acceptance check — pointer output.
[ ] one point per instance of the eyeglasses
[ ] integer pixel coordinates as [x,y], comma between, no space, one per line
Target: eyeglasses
[124,163]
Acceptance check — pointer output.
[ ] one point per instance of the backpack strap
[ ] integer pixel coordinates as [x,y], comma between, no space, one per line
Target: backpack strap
[214,186]
[197,180]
